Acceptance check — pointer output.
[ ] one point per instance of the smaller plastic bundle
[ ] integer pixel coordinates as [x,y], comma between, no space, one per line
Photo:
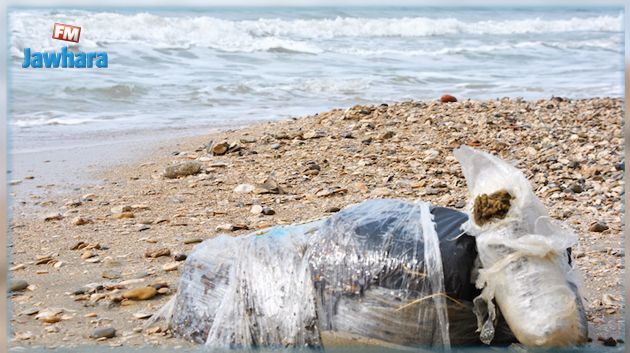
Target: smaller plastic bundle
[247,291]
[526,266]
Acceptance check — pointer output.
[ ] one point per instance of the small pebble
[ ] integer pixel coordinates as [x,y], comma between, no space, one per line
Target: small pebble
[111,275]
[447,98]
[18,267]
[158,253]
[55,216]
[79,221]
[225,227]
[598,227]
[30,312]
[103,332]
[576,188]
[244,188]
[18,285]
[123,215]
[608,342]
[141,315]
[268,211]
[121,209]
[182,170]
[143,293]
[87,254]
[171,266]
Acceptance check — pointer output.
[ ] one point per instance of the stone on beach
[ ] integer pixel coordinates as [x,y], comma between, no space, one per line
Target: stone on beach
[158,253]
[447,98]
[269,186]
[268,211]
[228,227]
[54,216]
[18,285]
[220,149]
[256,209]
[171,266]
[598,227]
[49,316]
[143,293]
[179,257]
[120,209]
[182,170]
[244,188]
[103,332]
[123,215]
[79,221]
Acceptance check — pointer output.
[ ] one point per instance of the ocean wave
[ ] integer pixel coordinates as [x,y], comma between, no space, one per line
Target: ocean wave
[116,91]
[50,122]
[101,29]
[609,44]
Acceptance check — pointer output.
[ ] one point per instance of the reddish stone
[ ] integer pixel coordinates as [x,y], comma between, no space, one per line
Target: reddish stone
[447,98]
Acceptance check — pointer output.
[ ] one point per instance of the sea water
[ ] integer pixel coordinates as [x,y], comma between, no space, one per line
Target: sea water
[201,68]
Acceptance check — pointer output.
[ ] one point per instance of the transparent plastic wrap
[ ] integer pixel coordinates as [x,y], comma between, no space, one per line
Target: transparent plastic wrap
[247,291]
[523,252]
[374,272]
[379,273]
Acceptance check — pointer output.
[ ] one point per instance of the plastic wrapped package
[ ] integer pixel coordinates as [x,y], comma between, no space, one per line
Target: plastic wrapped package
[247,291]
[392,273]
[523,252]
[379,273]
[384,271]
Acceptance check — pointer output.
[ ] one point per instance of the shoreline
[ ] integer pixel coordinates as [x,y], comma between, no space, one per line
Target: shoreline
[570,150]
[43,172]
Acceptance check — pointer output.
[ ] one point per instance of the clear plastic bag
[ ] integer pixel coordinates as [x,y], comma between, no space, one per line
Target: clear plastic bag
[374,272]
[247,291]
[523,252]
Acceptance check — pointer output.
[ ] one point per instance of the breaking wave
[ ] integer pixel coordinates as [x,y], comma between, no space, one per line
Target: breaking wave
[273,34]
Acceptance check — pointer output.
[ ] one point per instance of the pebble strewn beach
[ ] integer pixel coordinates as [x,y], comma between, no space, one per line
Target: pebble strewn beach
[91,266]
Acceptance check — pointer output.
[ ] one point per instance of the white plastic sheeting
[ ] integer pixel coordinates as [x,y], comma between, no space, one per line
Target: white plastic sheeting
[525,264]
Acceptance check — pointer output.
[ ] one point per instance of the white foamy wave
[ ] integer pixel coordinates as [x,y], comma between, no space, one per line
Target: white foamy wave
[332,86]
[49,122]
[101,29]
[295,87]
[610,44]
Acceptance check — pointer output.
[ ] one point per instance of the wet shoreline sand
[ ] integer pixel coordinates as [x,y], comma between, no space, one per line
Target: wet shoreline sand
[571,150]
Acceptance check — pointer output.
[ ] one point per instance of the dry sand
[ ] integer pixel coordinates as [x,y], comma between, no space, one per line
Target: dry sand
[571,150]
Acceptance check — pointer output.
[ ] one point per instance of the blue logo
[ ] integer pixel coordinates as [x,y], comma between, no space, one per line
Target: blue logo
[64,59]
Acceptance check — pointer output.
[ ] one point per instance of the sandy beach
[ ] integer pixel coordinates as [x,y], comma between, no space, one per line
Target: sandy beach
[76,254]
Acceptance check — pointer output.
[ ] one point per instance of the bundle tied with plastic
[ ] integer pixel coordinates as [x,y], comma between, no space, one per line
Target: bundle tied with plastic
[386,272]
[526,266]
[373,273]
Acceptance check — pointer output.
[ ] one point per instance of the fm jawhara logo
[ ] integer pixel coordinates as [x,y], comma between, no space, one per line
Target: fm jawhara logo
[64,58]
[65,32]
